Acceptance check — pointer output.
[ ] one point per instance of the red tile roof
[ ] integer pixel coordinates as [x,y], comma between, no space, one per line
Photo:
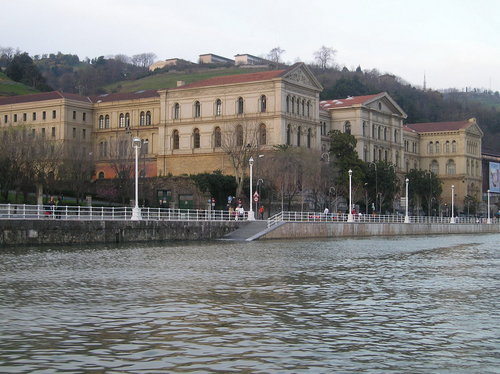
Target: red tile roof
[233,79]
[439,126]
[348,101]
[54,95]
[143,94]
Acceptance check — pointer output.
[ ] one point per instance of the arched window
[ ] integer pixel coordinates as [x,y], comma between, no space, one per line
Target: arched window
[434,167]
[438,148]
[385,155]
[288,134]
[196,138]
[121,122]
[101,122]
[142,119]
[177,111]
[262,134]
[299,133]
[303,107]
[106,121]
[288,104]
[309,109]
[148,118]
[447,147]
[453,146]
[347,127]
[101,175]
[364,128]
[396,136]
[324,128]
[197,109]
[380,154]
[127,120]
[103,149]
[430,148]
[385,133]
[374,130]
[309,135]
[239,135]
[450,167]
[468,167]
[240,105]
[379,132]
[217,137]
[175,139]
[263,103]
[145,147]
[218,107]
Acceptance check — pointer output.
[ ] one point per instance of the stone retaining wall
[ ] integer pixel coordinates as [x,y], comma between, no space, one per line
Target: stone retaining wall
[301,230]
[21,232]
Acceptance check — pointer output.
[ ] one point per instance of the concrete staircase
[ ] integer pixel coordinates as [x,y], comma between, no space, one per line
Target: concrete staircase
[249,231]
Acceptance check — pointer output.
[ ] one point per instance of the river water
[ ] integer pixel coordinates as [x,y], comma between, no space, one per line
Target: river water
[372,305]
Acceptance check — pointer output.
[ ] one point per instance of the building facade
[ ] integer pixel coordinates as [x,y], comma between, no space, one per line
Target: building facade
[182,129]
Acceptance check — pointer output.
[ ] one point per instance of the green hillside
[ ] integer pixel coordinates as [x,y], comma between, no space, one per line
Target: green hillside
[10,88]
[169,79]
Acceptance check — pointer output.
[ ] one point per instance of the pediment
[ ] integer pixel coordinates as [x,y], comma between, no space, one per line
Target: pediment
[386,103]
[474,129]
[301,75]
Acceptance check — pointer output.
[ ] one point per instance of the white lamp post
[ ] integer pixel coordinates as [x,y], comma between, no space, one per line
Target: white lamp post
[251,216]
[452,219]
[136,211]
[407,218]
[488,220]
[349,215]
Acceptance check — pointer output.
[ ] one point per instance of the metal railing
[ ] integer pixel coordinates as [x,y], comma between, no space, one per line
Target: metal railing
[22,211]
[362,218]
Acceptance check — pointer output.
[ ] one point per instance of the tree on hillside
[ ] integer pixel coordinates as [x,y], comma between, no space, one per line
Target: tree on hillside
[324,57]
[22,69]
[274,55]
[143,60]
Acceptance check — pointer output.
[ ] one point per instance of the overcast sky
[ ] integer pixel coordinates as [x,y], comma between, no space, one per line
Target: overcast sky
[455,43]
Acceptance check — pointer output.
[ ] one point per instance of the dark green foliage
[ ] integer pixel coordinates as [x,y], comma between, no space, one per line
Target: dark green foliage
[217,184]
[425,189]
[22,69]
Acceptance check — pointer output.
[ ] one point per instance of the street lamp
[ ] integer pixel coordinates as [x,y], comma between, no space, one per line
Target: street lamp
[407,218]
[349,215]
[488,220]
[376,186]
[136,211]
[452,219]
[251,216]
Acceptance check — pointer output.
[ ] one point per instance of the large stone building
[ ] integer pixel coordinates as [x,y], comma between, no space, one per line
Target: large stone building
[182,128]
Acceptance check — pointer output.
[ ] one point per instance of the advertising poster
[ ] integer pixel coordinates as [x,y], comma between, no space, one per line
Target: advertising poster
[494,176]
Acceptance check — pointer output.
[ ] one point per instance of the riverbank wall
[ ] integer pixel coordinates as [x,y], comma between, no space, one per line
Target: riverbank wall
[44,232]
[51,231]
[302,230]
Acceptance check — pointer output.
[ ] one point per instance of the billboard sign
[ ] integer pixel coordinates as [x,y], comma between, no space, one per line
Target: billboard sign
[494,177]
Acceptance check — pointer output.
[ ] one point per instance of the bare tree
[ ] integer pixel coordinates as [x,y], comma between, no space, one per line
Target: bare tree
[77,170]
[274,54]
[239,142]
[122,162]
[143,60]
[324,57]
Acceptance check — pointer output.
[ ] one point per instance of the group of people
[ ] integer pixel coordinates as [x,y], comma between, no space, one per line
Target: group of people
[53,209]
[239,211]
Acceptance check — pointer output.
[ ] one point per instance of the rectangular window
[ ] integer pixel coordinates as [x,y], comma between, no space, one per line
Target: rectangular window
[43,132]
[15,117]
[84,117]
[5,118]
[74,132]
[33,133]
[84,133]
[44,115]
[25,117]
[53,132]
[53,114]
[74,114]
[34,116]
